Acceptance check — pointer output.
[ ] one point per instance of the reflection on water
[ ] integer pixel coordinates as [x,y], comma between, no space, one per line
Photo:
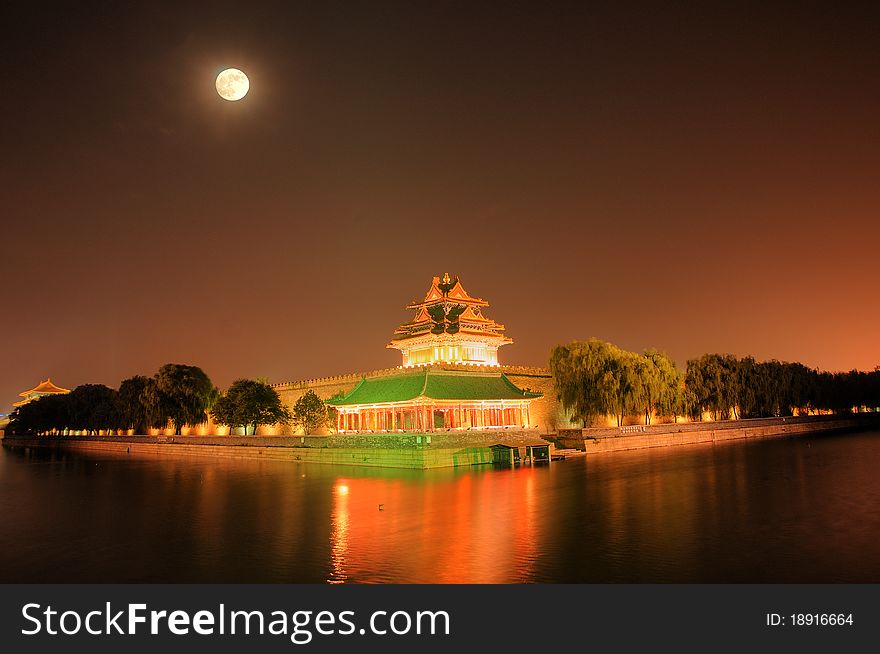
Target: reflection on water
[784,510]
[339,534]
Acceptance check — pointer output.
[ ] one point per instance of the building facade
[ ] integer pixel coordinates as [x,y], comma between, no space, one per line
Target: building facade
[450,377]
[431,400]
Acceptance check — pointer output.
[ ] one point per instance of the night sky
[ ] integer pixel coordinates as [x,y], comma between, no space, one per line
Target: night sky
[691,179]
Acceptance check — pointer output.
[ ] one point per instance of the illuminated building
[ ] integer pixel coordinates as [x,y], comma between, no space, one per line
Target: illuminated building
[429,399]
[440,385]
[449,327]
[450,377]
[41,390]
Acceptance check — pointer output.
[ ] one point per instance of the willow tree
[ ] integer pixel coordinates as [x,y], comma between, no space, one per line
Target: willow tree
[137,409]
[713,380]
[596,379]
[663,386]
[632,372]
[587,379]
[777,388]
[182,395]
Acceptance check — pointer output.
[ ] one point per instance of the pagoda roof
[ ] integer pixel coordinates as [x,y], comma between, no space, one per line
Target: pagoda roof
[45,388]
[448,309]
[449,289]
[434,385]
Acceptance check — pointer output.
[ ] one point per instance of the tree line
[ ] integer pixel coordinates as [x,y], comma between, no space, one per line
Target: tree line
[595,379]
[726,386]
[177,396]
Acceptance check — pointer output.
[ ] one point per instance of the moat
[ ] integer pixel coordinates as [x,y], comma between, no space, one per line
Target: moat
[784,510]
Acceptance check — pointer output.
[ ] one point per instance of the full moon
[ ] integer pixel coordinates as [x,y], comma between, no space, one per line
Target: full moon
[232,84]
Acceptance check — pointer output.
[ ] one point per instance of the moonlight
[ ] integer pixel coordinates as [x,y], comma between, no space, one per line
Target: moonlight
[232,84]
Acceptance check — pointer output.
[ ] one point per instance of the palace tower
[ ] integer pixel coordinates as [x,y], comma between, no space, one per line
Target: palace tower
[449,327]
[449,378]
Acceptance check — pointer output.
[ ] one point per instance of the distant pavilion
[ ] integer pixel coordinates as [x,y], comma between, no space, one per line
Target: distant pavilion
[41,390]
[426,395]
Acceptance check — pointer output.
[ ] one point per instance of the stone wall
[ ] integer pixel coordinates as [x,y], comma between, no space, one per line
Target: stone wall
[594,441]
[546,413]
[404,457]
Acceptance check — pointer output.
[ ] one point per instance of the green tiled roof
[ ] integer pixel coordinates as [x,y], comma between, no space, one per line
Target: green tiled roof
[443,385]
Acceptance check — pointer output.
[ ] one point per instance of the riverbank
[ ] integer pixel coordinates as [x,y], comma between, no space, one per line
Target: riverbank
[396,450]
[636,437]
[449,449]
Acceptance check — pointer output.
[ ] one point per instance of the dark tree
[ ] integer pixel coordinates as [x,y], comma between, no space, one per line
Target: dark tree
[713,380]
[182,395]
[663,385]
[249,402]
[93,407]
[137,410]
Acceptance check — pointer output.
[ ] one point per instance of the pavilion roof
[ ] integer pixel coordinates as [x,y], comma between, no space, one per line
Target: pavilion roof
[449,289]
[45,388]
[435,385]
[448,309]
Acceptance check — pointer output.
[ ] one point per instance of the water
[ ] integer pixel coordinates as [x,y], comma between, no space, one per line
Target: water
[795,510]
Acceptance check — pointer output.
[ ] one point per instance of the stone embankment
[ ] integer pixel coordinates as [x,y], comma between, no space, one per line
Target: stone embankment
[396,450]
[634,437]
[447,449]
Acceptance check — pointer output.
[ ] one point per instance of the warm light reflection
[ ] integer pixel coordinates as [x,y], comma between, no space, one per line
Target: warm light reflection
[481,527]
[339,528]
[684,514]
